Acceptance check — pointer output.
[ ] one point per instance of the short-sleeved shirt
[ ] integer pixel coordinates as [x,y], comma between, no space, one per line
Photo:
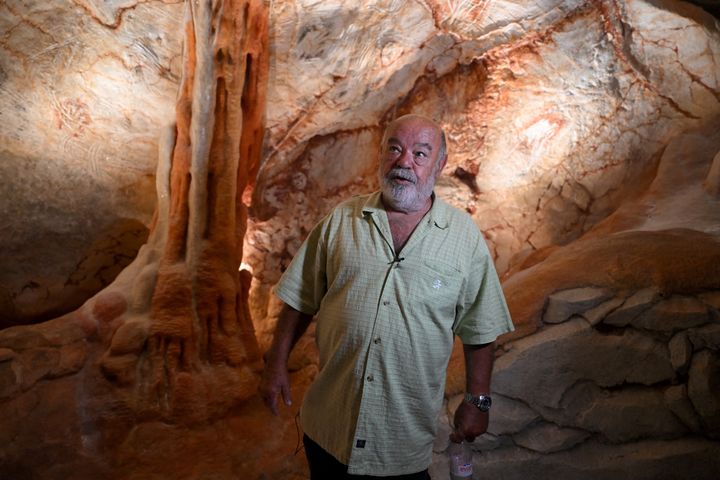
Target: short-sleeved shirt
[385,326]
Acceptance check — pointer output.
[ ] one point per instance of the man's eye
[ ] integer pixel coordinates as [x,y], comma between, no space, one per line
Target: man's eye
[393,149]
[420,154]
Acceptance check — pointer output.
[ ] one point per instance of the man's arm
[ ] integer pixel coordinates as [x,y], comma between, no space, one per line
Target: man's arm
[290,327]
[470,421]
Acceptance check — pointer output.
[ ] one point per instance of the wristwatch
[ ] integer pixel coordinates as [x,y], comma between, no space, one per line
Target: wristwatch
[482,402]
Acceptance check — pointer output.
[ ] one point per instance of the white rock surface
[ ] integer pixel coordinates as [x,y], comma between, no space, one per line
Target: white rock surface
[630,414]
[617,415]
[540,368]
[547,437]
[509,416]
[84,93]
[562,305]
[633,306]
[597,314]
[672,315]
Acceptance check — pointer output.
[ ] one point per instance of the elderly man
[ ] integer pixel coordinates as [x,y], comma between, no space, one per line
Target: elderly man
[390,277]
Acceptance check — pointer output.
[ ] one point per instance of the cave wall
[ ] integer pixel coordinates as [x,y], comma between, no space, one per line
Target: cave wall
[583,139]
[84,89]
[556,113]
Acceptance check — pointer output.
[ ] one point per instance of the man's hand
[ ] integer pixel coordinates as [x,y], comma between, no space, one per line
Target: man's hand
[275,382]
[290,327]
[469,422]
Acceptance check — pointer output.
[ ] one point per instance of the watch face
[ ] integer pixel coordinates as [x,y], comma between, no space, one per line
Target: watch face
[483,402]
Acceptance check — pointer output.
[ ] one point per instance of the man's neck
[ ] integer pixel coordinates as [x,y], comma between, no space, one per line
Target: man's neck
[403,223]
[411,212]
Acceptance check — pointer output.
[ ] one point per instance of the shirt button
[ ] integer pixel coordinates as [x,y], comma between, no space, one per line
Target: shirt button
[386,303]
[377,341]
[370,378]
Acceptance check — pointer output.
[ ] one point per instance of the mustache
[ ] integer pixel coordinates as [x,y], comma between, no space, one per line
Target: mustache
[401,173]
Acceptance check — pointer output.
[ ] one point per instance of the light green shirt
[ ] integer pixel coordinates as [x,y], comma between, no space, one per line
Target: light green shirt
[385,325]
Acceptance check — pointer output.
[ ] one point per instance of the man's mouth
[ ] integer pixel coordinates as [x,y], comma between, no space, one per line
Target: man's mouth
[402,181]
[401,178]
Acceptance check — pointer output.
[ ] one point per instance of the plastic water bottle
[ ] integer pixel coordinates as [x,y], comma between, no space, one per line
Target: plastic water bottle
[460,460]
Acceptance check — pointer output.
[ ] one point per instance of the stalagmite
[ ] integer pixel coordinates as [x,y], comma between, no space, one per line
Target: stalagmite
[171,339]
[192,305]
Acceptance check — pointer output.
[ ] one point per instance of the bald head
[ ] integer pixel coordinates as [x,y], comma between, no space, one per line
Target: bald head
[420,120]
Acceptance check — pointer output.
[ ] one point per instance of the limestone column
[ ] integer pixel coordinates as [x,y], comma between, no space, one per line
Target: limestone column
[183,348]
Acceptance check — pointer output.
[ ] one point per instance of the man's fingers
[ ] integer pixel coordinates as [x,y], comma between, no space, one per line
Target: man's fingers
[286,394]
[458,437]
[269,398]
[469,423]
[270,388]
[272,391]
[272,403]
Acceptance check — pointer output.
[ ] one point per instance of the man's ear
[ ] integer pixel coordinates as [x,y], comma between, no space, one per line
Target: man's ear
[442,163]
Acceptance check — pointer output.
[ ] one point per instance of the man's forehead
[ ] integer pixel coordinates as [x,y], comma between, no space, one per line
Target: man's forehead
[420,129]
[419,143]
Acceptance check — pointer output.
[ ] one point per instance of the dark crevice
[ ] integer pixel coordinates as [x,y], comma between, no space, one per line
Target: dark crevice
[246,102]
[184,214]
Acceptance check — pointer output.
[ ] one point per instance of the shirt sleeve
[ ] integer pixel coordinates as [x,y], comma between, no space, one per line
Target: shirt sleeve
[304,283]
[482,313]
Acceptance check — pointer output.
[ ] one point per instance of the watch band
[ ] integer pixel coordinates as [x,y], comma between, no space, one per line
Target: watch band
[482,402]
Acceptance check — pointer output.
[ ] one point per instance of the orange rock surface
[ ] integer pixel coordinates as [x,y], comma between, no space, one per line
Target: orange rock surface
[583,141]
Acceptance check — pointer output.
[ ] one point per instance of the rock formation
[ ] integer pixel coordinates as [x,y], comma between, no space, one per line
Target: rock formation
[170,340]
[184,339]
[583,139]
[85,88]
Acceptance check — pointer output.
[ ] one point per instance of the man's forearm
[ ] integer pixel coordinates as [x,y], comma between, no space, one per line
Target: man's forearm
[478,367]
[290,327]
[471,421]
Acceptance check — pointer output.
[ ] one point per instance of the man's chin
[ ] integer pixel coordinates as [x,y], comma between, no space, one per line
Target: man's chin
[396,194]
[400,202]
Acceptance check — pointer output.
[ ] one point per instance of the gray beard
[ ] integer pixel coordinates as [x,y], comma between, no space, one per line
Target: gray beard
[407,198]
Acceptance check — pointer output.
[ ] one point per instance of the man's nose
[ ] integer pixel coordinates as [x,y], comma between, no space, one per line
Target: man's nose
[405,160]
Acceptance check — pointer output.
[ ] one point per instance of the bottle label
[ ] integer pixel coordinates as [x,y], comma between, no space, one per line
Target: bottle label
[462,470]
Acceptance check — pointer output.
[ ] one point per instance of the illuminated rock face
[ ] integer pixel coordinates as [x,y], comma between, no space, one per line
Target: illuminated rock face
[84,89]
[556,114]
[570,120]
[170,341]
[583,140]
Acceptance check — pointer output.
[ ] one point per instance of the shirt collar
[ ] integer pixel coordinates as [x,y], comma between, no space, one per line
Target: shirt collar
[437,215]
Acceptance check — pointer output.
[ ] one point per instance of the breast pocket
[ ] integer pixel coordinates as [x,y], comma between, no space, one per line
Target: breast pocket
[439,286]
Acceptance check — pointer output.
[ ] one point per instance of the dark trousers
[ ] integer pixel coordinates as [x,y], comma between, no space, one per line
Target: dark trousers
[324,466]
